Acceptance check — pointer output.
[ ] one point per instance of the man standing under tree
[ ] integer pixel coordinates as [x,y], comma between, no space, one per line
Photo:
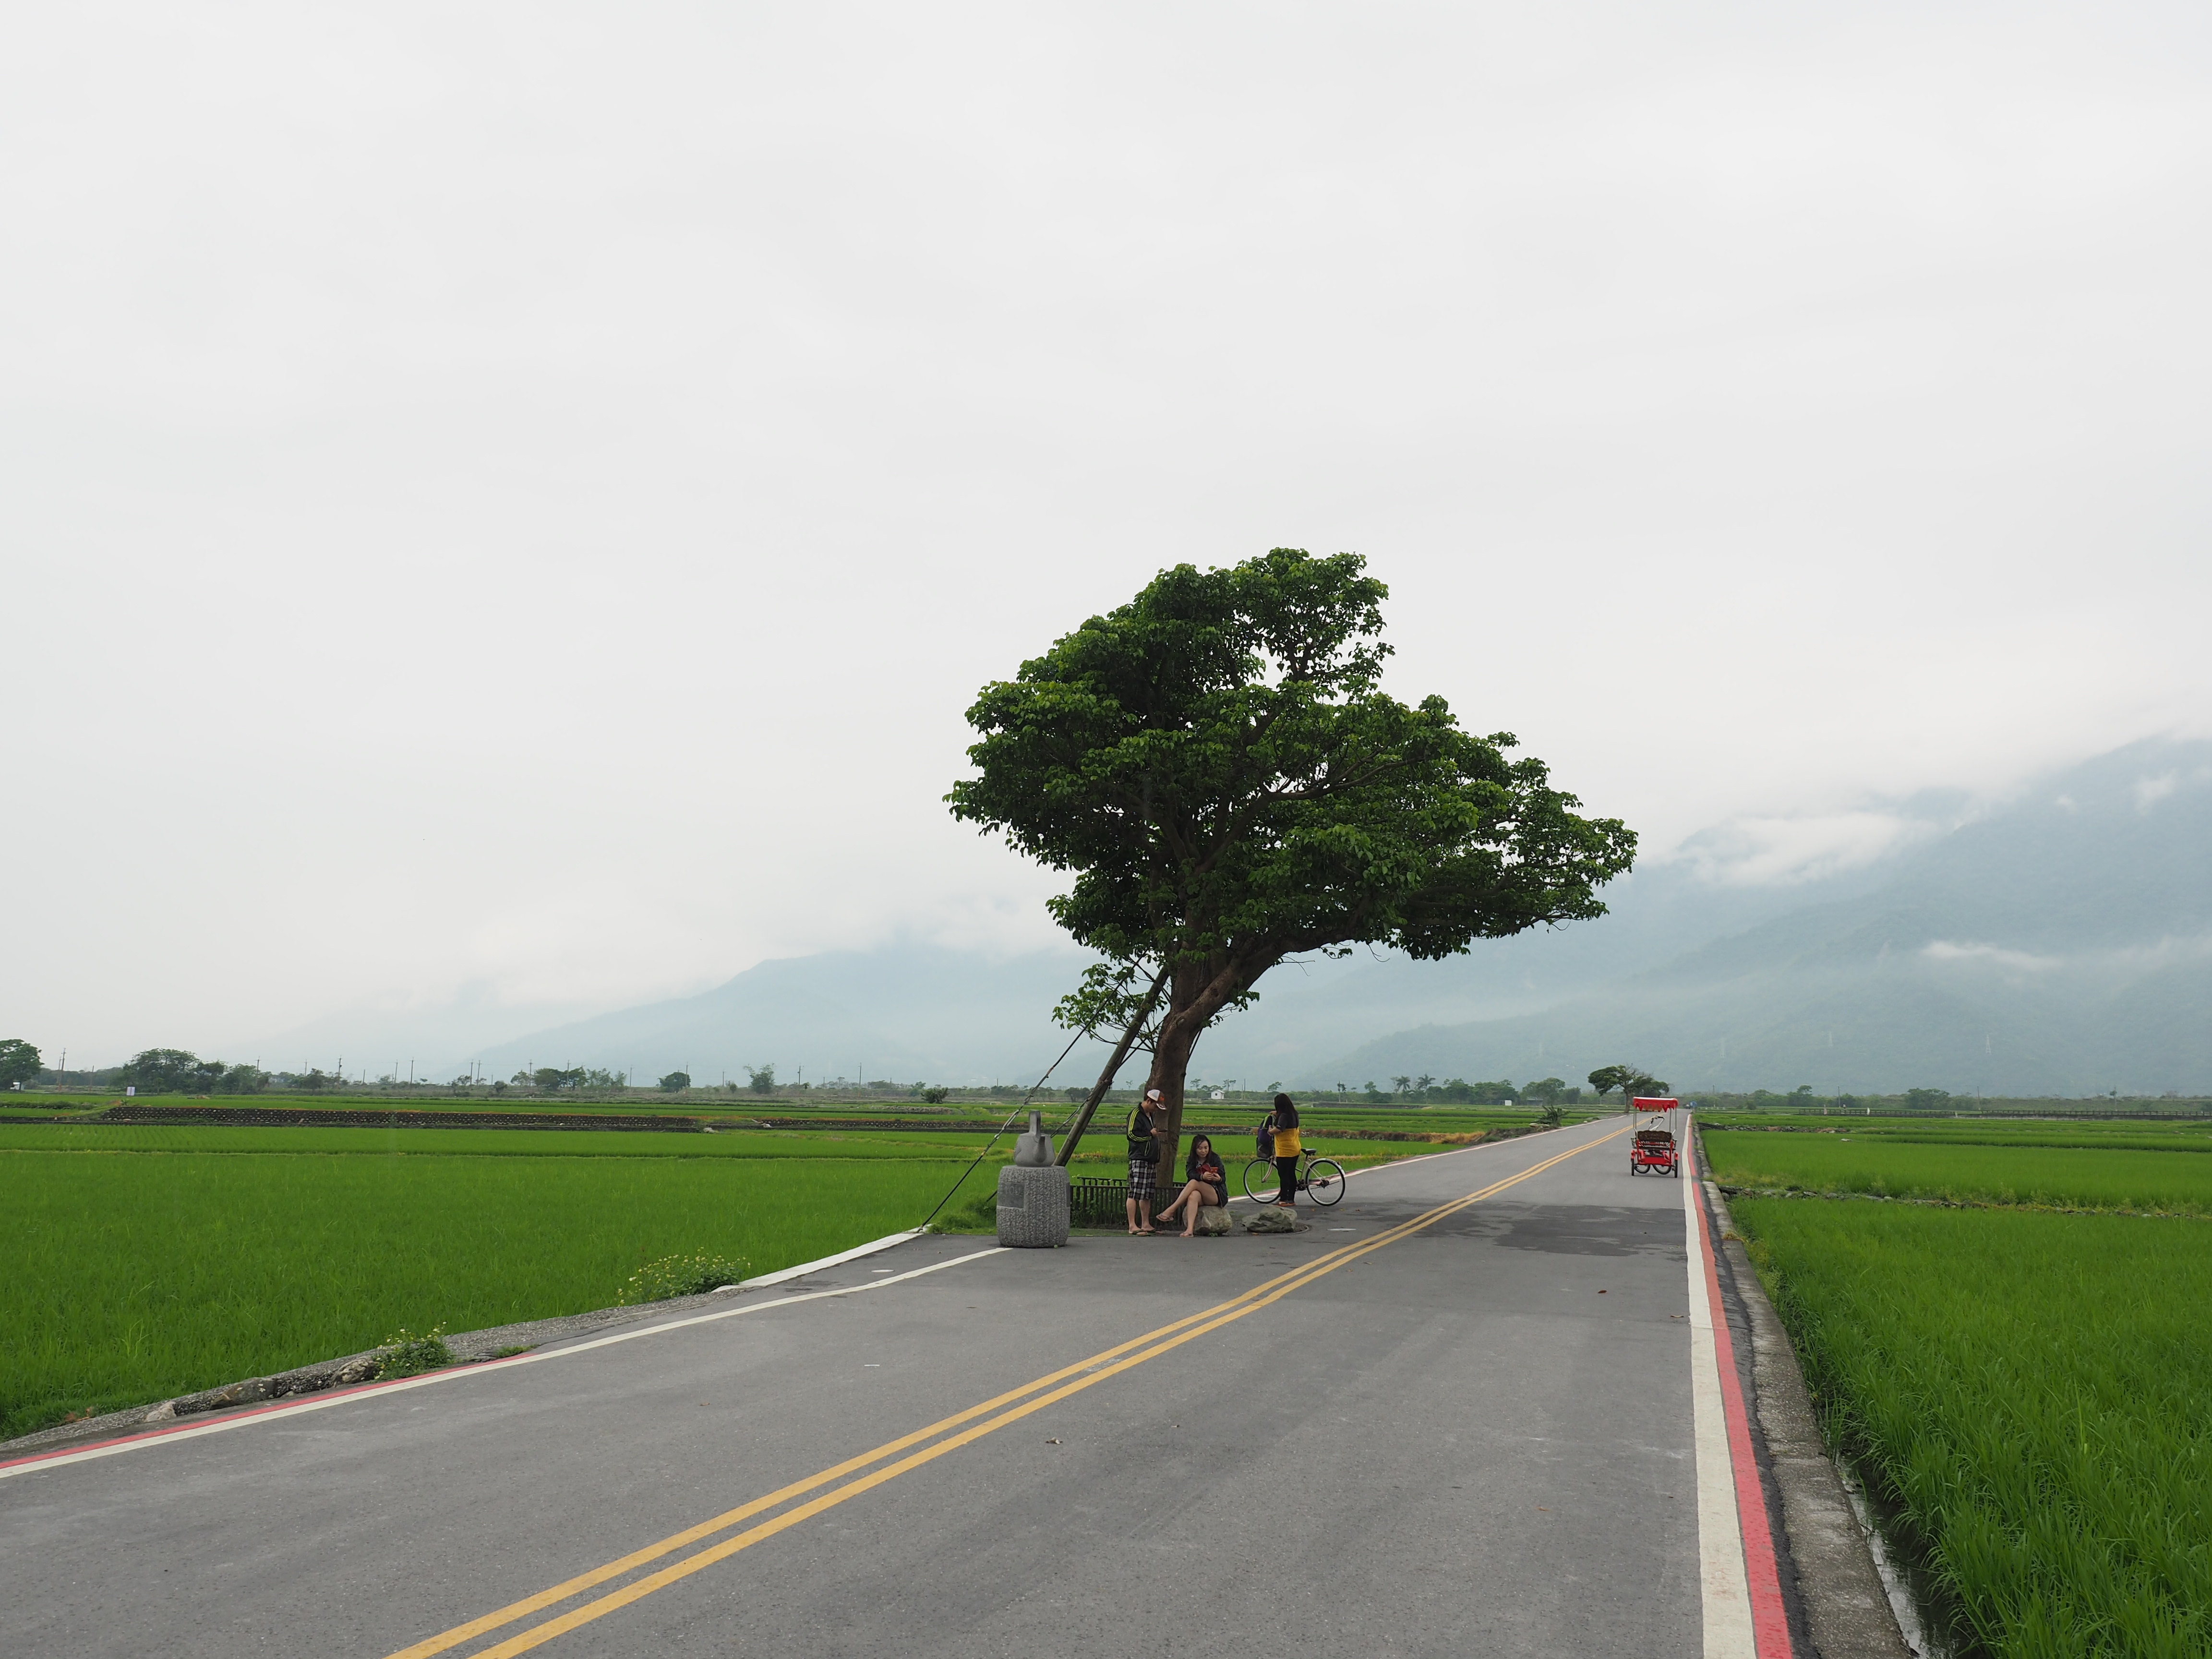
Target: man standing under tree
[1143,1162]
[1217,763]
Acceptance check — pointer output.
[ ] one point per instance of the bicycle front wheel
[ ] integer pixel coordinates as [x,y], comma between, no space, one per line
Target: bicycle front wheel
[1260,1181]
[1324,1180]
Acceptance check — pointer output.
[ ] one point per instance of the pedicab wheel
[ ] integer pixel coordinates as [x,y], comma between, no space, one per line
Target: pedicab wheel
[1261,1182]
[1324,1180]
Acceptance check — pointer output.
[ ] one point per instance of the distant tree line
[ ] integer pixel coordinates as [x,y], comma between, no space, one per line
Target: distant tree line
[180,1071]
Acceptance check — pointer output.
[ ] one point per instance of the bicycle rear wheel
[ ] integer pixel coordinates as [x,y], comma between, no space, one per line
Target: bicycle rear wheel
[1324,1180]
[1260,1181]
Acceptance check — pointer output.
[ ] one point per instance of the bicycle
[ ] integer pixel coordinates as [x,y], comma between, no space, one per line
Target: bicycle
[1321,1180]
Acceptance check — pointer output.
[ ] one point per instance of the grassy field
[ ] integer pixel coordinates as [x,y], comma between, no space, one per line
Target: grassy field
[149,1260]
[134,1277]
[2032,1392]
[2117,1178]
[2182,1135]
[95,1137]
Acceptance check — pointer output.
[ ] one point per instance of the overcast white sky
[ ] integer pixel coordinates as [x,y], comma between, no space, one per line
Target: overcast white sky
[514,499]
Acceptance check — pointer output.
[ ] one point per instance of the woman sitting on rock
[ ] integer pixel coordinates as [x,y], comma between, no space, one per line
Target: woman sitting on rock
[1204,1185]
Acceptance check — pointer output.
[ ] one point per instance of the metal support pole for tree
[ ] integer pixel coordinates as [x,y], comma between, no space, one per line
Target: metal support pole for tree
[1120,1054]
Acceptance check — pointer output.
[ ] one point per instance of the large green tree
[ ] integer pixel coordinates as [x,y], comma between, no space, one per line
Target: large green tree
[1217,765]
[172,1072]
[19,1063]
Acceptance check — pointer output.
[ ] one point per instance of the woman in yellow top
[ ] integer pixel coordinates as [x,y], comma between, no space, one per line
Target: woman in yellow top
[1284,1120]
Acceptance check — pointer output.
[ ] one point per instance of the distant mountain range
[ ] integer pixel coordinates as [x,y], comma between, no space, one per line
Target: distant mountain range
[2059,943]
[2062,943]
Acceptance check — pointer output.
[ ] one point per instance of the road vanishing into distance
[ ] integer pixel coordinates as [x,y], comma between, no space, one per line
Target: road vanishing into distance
[1475,1410]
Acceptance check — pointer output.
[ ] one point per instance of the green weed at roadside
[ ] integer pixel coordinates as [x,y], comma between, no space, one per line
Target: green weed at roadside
[680,1275]
[405,1354]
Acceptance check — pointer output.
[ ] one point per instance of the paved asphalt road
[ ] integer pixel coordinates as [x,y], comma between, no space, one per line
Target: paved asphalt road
[1476,1439]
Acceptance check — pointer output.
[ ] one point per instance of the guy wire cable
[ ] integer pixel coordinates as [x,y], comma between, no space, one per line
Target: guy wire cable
[1003,1127]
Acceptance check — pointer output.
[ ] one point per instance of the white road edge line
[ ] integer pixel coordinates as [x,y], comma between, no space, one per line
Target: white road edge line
[324,1403]
[1726,1586]
[836,1261]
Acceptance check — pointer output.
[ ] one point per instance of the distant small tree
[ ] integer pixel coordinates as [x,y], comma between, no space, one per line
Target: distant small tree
[935,1097]
[317,1079]
[19,1063]
[761,1079]
[1546,1091]
[550,1079]
[1926,1100]
[1630,1080]
[598,1078]
[1402,1083]
[675,1083]
[1422,1082]
[241,1080]
[1606,1078]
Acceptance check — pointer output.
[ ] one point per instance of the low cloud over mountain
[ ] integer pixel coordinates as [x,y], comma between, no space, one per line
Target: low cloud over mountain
[2058,942]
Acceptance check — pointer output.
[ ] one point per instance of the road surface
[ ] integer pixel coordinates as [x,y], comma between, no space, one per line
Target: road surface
[1460,1415]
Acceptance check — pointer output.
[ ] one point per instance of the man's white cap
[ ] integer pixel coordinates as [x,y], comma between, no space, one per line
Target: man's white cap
[1152,1094]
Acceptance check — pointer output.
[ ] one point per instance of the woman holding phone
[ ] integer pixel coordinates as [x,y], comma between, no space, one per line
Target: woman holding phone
[1205,1183]
[1284,1120]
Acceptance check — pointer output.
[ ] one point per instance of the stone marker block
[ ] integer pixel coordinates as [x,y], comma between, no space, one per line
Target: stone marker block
[1032,1207]
[1213,1221]
[1033,1150]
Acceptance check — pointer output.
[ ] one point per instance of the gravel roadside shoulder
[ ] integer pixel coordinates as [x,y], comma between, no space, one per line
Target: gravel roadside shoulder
[468,1348]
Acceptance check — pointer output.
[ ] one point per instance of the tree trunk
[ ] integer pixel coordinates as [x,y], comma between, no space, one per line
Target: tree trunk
[1114,1064]
[1197,995]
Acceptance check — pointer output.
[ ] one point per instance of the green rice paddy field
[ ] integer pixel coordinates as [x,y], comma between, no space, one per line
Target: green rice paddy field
[146,1261]
[136,1276]
[2029,1390]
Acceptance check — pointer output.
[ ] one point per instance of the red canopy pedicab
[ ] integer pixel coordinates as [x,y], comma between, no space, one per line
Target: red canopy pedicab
[1656,1148]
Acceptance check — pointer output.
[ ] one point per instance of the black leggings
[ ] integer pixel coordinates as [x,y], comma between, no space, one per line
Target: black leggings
[1286,1169]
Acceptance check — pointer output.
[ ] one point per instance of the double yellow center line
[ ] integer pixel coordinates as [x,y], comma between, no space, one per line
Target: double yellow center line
[957,1431]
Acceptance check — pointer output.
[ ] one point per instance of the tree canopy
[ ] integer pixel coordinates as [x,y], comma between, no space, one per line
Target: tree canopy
[19,1063]
[1217,765]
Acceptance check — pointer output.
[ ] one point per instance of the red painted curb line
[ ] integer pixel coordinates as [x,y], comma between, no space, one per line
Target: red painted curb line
[198,1421]
[1770,1620]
